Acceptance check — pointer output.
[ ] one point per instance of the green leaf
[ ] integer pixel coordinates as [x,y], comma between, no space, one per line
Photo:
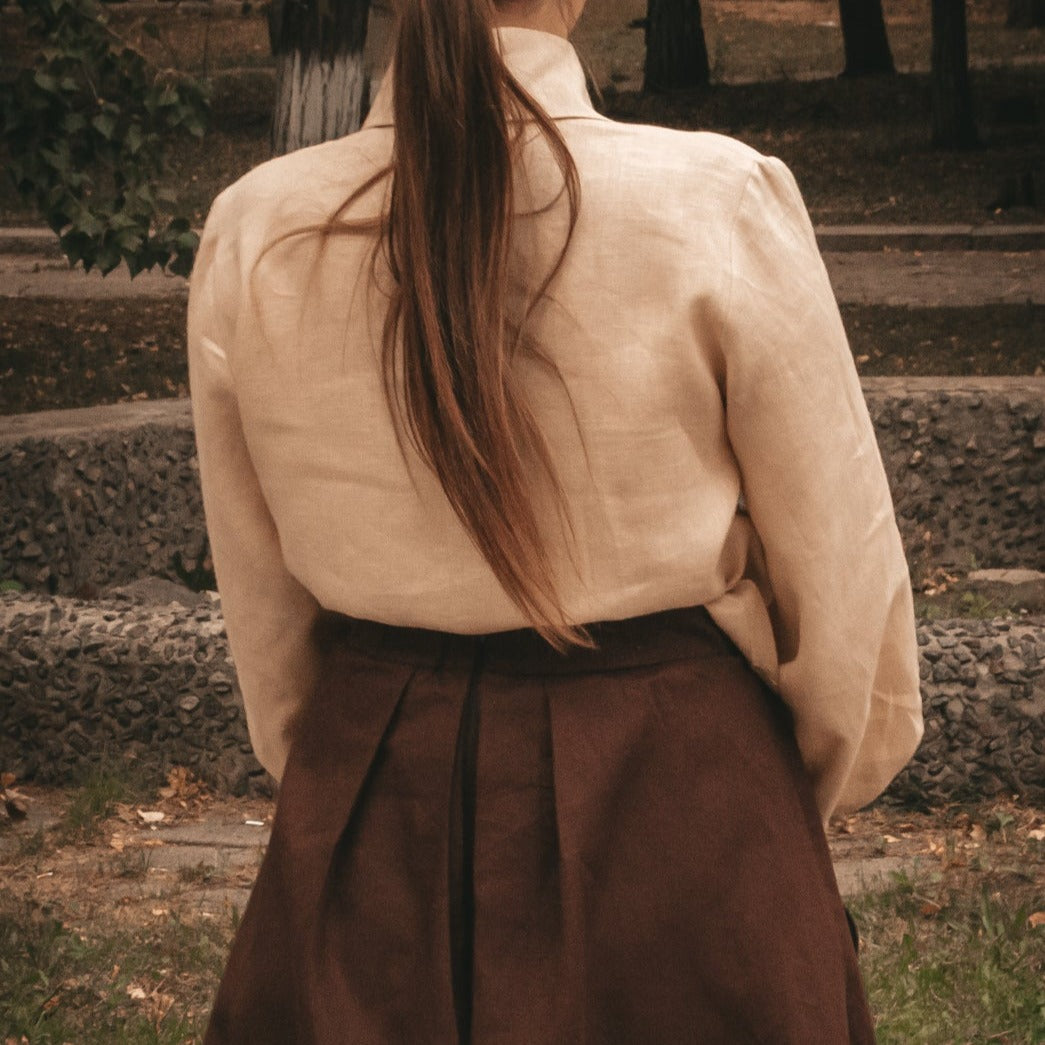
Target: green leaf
[73,123]
[105,125]
[53,143]
[108,258]
[133,139]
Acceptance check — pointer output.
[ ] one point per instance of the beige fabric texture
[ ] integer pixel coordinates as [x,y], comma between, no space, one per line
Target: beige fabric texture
[707,424]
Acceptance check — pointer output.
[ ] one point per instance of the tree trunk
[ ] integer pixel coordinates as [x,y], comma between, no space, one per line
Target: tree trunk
[1026,14]
[953,126]
[863,33]
[321,82]
[676,52]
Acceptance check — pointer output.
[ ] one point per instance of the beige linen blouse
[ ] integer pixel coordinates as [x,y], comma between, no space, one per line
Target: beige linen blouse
[714,445]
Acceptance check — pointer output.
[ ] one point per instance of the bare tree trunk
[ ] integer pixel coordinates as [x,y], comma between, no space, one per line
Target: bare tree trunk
[865,39]
[1026,14]
[953,126]
[676,52]
[321,82]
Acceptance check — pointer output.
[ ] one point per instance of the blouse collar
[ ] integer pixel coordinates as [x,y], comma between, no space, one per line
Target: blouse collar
[546,65]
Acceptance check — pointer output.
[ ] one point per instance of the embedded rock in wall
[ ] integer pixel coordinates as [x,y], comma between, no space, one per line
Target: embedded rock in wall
[983,693]
[94,682]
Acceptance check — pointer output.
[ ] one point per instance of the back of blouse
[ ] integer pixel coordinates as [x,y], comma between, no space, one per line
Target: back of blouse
[698,355]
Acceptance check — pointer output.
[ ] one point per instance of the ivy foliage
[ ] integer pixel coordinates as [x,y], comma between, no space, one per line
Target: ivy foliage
[86,128]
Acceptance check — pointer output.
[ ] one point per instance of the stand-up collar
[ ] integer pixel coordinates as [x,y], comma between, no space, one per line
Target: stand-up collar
[546,65]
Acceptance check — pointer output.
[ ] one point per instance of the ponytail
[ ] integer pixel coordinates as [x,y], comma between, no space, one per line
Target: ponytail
[446,334]
[447,356]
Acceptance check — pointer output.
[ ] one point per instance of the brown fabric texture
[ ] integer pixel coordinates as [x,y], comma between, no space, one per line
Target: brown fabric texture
[478,840]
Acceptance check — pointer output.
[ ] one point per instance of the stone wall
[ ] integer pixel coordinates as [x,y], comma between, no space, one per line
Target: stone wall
[96,500]
[99,496]
[966,462]
[983,698]
[105,495]
[90,681]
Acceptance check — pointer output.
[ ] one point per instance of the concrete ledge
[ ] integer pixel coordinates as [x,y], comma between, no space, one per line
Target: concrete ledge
[118,677]
[831,238]
[1005,238]
[105,495]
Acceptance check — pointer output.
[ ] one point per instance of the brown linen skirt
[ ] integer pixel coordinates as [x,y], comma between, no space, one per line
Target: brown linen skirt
[478,840]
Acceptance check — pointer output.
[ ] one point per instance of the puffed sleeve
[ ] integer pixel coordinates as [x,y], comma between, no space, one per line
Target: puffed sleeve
[817,495]
[269,615]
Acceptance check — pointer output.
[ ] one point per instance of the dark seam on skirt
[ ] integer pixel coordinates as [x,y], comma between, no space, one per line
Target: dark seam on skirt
[462,853]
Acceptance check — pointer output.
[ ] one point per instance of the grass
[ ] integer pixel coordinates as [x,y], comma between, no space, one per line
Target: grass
[967,605]
[95,799]
[949,951]
[948,956]
[94,988]
[945,964]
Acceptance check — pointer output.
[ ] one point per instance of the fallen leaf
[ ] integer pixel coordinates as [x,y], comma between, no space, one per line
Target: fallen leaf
[1036,919]
[135,992]
[930,908]
[151,816]
[16,805]
[1038,834]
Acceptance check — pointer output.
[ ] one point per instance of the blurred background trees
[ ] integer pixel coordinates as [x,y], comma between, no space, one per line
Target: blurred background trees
[952,111]
[864,37]
[676,51]
[321,76]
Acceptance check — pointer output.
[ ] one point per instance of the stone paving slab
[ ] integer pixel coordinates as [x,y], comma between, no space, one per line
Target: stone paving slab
[939,278]
[915,279]
[210,835]
[33,275]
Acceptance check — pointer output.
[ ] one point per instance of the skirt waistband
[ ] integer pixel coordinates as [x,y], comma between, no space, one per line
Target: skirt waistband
[654,638]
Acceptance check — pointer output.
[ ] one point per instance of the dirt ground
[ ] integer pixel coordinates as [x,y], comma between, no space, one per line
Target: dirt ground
[62,354]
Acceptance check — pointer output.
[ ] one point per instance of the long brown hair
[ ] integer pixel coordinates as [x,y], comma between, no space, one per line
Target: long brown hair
[448,341]
[446,335]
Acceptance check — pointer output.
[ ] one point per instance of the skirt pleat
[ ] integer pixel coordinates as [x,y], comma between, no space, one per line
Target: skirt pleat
[478,840]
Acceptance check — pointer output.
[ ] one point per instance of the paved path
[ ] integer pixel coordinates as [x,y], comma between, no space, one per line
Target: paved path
[937,278]
[217,848]
[897,270]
